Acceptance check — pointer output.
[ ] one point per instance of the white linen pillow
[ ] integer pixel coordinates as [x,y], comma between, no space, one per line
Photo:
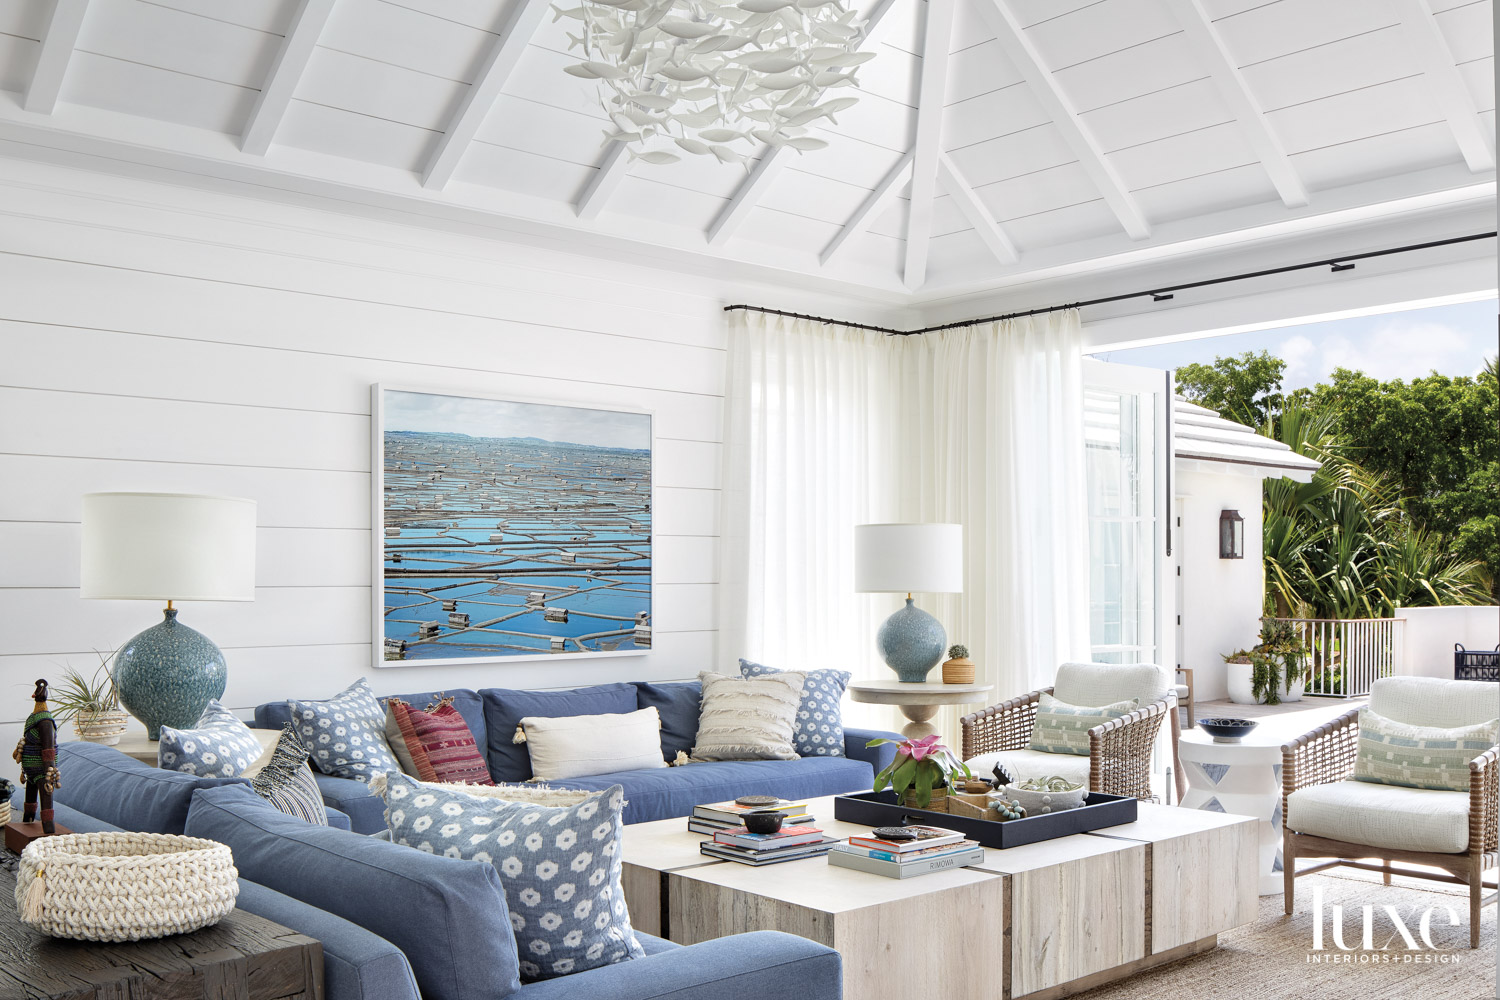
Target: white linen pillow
[748,718]
[578,746]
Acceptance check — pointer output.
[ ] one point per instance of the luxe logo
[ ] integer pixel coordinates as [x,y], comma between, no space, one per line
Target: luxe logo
[1400,929]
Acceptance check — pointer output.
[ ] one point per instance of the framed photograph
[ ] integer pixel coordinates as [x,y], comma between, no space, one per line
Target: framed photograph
[508,528]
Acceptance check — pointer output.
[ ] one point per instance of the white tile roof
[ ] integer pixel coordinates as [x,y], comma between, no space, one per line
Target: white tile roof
[1201,435]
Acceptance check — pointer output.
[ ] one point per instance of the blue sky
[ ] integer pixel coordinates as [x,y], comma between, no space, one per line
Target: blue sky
[1453,340]
[423,411]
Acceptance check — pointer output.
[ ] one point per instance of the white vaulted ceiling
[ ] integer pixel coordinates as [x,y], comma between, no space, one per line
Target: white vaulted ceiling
[995,140]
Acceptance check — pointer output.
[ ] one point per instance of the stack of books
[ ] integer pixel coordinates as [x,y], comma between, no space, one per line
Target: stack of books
[792,843]
[710,819]
[933,849]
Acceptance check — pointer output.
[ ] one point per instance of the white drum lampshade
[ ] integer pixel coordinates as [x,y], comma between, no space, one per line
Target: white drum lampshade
[168,547]
[907,559]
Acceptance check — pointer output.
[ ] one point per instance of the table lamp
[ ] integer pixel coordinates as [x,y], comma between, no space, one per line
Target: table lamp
[168,547]
[906,559]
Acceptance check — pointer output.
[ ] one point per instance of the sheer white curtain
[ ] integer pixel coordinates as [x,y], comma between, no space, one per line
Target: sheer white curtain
[828,427]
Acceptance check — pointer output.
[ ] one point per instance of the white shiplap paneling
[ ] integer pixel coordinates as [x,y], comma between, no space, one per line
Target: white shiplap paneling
[202,344]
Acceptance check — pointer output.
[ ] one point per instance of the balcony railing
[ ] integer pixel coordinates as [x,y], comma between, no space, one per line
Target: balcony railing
[1348,654]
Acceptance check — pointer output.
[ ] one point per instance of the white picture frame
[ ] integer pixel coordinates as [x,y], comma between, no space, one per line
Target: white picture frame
[600,592]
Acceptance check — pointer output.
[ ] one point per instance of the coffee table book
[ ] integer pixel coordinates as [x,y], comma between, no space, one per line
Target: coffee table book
[906,869]
[757,859]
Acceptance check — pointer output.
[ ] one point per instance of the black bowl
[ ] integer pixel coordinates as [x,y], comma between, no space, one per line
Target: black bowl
[764,821]
[1227,730]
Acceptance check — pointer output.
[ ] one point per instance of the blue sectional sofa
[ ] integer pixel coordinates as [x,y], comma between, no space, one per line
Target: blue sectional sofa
[399,924]
[663,793]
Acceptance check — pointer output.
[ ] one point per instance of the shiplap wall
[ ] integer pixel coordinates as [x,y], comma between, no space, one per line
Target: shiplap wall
[161,338]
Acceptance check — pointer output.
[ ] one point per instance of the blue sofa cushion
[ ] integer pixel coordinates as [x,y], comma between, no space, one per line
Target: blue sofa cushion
[504,708]
[560,864]
[449,917]
[678,703]
[673,791]
[276,714]
[819,728]
[346,733]
[124,792]
[366,812]
[760,964]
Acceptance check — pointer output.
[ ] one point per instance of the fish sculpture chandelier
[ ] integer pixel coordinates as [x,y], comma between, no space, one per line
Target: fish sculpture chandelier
[717,77]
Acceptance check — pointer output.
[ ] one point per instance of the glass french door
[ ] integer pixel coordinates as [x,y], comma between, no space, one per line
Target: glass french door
[1127,433]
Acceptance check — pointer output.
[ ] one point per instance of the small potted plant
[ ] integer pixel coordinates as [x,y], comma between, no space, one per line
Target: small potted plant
[958,668]
[1275,670]
[92,703]
[921,773]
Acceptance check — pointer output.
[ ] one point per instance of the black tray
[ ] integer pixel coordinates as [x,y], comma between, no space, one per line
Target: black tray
[883,809]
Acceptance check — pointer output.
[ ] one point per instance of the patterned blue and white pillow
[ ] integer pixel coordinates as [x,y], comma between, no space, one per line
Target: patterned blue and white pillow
[560,866]
[820,718]
[346,733]
[219,746]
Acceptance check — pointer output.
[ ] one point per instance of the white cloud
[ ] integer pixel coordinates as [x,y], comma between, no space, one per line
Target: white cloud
[1399,347]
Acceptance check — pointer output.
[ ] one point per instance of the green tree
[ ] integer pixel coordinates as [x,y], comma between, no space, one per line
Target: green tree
[1246,389]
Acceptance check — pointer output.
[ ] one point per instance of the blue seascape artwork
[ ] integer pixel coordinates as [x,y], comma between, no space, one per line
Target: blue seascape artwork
[513,528]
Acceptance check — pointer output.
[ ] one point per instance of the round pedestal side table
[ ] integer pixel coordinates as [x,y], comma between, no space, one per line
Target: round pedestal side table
[1243,779]
[918,702]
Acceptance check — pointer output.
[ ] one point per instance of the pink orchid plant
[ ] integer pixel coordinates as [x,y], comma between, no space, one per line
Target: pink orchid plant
[920,766]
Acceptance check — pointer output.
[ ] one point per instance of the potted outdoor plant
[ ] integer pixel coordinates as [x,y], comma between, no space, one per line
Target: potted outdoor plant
[958,668]
[921,773]
[93,704]
[1275,670]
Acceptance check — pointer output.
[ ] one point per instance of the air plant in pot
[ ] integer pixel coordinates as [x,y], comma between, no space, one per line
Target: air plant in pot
[921,767]
[92,702]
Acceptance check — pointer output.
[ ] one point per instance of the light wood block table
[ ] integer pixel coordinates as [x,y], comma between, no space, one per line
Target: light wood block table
[1074,910]
[1201,872]
[1037,922]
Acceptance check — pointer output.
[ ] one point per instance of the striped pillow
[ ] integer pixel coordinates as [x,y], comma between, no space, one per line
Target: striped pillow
[286,781]
[438,742]
[1064,728]
[1394,753]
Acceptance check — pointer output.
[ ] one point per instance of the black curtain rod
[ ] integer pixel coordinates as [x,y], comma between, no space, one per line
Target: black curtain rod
[1342,263]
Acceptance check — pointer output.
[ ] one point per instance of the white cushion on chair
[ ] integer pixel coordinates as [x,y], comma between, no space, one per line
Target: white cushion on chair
[1025,764]
[1095,684]
[1433,701]
[1362,812]
[1182,692]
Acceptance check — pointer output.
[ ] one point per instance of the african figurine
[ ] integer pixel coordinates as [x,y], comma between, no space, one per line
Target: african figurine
[37,754]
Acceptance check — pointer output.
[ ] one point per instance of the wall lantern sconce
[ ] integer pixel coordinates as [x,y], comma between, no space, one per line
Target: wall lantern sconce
[1231,535]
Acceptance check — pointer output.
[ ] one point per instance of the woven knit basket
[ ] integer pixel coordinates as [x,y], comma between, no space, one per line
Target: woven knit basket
[4,813]
[124,886]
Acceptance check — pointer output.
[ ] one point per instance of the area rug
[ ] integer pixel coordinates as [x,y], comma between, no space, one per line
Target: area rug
[1273,958]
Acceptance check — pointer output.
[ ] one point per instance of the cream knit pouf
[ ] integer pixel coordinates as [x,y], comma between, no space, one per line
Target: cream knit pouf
[124,886]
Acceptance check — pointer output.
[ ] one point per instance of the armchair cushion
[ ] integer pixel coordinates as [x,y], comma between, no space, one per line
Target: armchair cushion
[1096,684]
[1360,812]
[1063,728]
[1433,701]
[1023,764]
[1394,753]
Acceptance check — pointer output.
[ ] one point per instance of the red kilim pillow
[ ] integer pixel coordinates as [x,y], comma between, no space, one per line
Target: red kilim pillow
[440,743]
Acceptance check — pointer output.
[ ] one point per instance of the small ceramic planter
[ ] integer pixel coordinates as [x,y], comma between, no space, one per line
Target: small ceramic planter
[1038,803]
[102,727]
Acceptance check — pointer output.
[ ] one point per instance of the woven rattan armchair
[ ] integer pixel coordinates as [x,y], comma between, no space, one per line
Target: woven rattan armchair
[1326,756]
[1119,761]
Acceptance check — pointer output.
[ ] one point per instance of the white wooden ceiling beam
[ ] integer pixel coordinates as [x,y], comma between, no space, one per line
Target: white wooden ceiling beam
[499,63]
[973,209]
[1059,107]
[286,71]
[1441,73]
[932,90]
[58,42]
[1197,24]
[749,194]
[605,182]
[870,209]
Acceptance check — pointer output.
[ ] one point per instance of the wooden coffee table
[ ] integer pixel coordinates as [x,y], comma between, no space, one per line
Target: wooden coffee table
[1042,921]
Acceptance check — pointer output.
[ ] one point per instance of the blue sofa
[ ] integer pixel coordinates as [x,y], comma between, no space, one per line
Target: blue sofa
[399,924]
[662,793]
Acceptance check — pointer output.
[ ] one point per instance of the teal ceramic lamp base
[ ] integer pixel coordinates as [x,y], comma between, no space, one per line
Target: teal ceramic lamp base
[911,641]
[168,674]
